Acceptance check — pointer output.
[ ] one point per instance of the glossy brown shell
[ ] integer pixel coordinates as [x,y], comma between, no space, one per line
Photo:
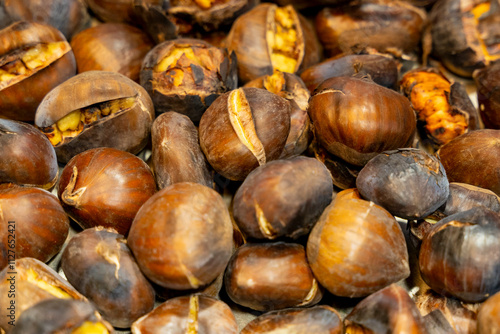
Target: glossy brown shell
[488,96]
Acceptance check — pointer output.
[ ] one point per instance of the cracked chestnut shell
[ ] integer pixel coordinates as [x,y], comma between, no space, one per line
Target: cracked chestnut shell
[28,157]
[99,264]
[96,109]
[488,95]
[182,237]
[186,75]
[251,278]
[356,119]
[105,187]
[244,129]
[34,58]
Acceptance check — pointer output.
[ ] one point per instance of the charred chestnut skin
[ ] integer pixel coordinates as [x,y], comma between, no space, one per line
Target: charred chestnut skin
[267,205]
[251,278]
[488,317]
[99,264]
[455,263]
[182,236]
[356,119]
[488,97]
[28,157]
[38,220]
[105,187]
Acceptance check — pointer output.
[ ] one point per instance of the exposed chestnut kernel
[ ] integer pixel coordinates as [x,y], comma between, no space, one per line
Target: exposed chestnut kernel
[488,98]
[488,317]
[460,257]
[390,310]
[28,158]
[96,109]
[318,319]
[409,183]
[176,152]
[105,187]
[39,224]
[61,316]
[189,314]
[356,119]
[282,198]
[182,237]
[357,248]
[34,58]
[251,278]
[244,129]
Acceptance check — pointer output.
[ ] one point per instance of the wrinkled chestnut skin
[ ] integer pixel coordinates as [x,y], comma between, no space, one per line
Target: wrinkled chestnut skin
[99,264]
[460,256]
[251,278]
[472,158]
[320,319]
[28,157]
[409,183]
[37,221]
[390,310]
[128,131]
[357,248]
[105,187]
[62,316]
[382,69]
[356,119]
[464,197]
[189,314]
[20,101]
[268,113]
[388,26]
[176,152]
[488,96]
[283,198]
[182,236]
[31,280]
[488,317]
[125,47]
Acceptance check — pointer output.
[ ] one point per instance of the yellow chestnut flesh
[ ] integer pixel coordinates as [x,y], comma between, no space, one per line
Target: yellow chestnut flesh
[282,40]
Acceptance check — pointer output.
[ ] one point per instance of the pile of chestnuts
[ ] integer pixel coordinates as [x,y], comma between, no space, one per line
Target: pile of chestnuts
[248,166]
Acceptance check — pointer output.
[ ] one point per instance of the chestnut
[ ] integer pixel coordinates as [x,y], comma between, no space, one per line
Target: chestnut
[176,152]
[34,58]
[357,248]
[33,221]
[409,183]
[356,119]
[488,97]
[251,278]
[28,157]
[61,316]
[488,317]
[283,198]
[105,187]
[321,319]
[113,47]
[187,75]
[117,10]
[472,158]
[99,264]
[96,109]
[182,236]
[464,197]
[244,129]
[189,314]
[269,38]
[436,323]
[460,257]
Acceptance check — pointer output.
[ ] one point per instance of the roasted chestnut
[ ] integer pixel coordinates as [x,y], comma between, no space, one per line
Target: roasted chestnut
[28,157]
[464,197]
[96,109]
[356,119]
[187,75]
[269,38]
[251,278]
[34,58]
[105,187]
[282,198]
[244,129]
[34,224]
[176,152]
[117,10]
[488,96]
[436,323]
[189,314]
[488,317]
[124,47]
[357,248]
[182,237]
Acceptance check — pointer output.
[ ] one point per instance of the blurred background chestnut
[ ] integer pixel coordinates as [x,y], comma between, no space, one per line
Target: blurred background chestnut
[487,82]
